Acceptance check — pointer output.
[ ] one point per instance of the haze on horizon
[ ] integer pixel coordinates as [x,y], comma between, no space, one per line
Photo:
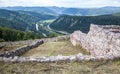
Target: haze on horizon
[61,3]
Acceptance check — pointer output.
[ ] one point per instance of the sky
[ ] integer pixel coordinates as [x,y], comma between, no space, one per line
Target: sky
[61,3]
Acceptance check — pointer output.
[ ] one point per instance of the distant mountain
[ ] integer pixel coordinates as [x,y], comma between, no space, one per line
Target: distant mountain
[43,10]
[58,10]
[39,15]
[72,23]
[68,11]
[91,11]
[75,11]
[21,20]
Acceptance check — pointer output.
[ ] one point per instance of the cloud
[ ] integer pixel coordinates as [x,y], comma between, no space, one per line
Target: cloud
[61,3]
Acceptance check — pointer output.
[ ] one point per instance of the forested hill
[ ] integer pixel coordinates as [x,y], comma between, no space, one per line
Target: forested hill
[42,10]
[7,34]
[72,23]
[21,20]
[20,25]
[6,23]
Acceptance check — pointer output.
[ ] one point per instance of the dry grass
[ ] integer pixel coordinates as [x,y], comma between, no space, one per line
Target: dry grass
[55,48]
[102,67]
[9,48]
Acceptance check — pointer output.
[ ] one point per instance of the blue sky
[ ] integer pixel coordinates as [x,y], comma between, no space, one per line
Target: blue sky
[61,3]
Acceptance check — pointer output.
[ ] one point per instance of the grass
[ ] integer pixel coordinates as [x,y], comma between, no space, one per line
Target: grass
[48,21]
[55,48]
[9,48]
[101,67]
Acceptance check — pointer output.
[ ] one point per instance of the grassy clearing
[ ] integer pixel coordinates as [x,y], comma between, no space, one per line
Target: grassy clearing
[55,48]
[48,21]
[102,67]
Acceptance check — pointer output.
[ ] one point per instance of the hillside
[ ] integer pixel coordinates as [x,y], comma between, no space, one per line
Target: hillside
[72,23]
[7,34]
[22,20]
[6,23]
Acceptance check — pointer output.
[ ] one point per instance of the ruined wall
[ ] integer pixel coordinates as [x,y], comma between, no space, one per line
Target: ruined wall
[59,58]
[102,41]
[21,50]
[27,45]
[95,42]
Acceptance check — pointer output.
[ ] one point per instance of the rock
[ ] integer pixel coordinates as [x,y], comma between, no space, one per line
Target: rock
[100,40]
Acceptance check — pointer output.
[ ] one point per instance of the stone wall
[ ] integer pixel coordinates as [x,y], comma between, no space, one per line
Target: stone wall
[93,42]
[28,44]
[21,50]
[101,41]
[59,58]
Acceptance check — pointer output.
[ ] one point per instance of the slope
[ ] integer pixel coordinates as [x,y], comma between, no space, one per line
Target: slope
[72,23]
[22,20]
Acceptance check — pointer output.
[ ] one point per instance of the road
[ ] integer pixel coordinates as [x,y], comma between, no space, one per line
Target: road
[61,32]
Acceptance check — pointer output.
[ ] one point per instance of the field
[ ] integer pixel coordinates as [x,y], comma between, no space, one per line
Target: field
[55,48]
[102,67]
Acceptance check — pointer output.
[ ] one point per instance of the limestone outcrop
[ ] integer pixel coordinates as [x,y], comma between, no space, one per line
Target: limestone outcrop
[101,41]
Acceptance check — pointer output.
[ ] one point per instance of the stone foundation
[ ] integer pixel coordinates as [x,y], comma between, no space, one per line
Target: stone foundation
[28,44]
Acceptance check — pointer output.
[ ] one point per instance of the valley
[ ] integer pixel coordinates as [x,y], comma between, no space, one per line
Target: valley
[45,30]
[50,23]
[59,40]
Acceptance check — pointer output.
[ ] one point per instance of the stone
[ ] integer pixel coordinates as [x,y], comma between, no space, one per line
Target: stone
[100,40]
[21,50]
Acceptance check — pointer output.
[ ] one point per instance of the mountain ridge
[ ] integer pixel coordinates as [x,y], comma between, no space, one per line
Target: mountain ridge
[70,11]
[71,23]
